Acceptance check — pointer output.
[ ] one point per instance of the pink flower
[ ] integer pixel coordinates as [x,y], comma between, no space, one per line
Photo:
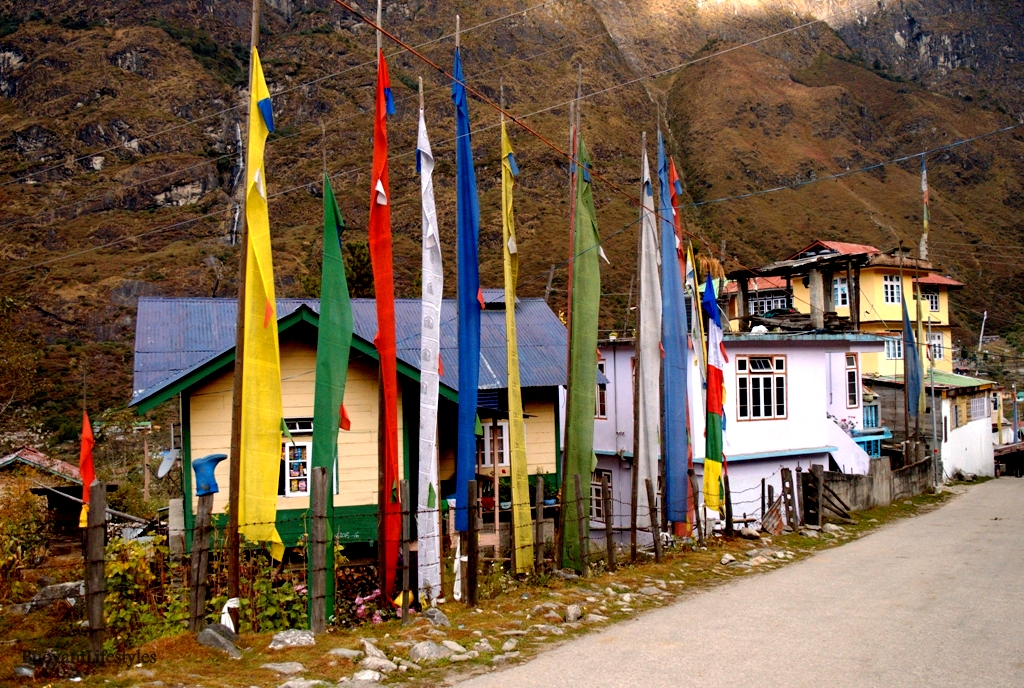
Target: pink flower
[377,618]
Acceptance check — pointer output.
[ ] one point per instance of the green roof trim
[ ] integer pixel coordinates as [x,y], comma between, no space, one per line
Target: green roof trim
[942,378]
[189,378]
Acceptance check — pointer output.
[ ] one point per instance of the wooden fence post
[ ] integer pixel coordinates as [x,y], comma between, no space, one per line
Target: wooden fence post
[762,499]
[538,537]
[655,524]
[318,583]
[818,471]
[696,505]
[788,500]
[581,528]
[95,583]
[609,528]
[632,513]
[473,548]
[798,495]
[729,531]
[406,530]
[200,562]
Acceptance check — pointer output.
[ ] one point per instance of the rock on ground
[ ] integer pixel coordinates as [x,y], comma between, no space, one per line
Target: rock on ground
[61,591]
[367,675]
[727,559]
[454,646]
[750,534]
[377,664]
[832,528]
[286,668]
[502,658]
[650,590]
[346,653]
[428,651]
[509,645]
[758,560]
[595,618]
[302,683]
[223,631]
[372,650]
[215,640]
[436,617]
[292,638]
[573,613]
[483,646]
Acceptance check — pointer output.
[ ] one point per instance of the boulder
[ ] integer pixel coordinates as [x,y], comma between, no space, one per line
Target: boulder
[454,647]
[372,650]
[809,533]
[292,638]
[303,683]
[650,590]
[758,560]
[832,528]
[749,534]
[594,618]
[344,652]
[505,657]
[286,668]
[573,613]
[483,646]
[211,638]
[727,559]
[509,645]
[61,591]
[367,675]
[428,651]
[460,658]
[223,631]
[408,665]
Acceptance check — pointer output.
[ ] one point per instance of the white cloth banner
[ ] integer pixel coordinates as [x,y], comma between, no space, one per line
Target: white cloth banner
[428,508]
[649,351]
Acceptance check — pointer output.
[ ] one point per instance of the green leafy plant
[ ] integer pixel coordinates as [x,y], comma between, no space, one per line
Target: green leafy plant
[142,603]
[24,536]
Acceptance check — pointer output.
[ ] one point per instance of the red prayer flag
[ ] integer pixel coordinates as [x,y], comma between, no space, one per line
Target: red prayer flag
[85,468]
[384,284]
[344,422]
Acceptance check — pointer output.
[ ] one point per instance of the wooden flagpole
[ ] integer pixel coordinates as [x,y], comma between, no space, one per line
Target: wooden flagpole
[236,397]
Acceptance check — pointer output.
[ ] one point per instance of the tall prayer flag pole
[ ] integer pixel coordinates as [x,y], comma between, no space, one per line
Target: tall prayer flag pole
[521,526]
[428,509]
[673,337]
[714,491]
[648,348]
[579,434]
[390,529]
[470,299]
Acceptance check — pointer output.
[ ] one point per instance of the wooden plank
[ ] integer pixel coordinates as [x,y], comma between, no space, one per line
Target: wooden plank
[632,512]
[609,527]
[406,530]
[788,499]
[772,521]
[95,582]
[538,525]
[655,524]
[729,531]
[318,582]
[695,490]
[200,563]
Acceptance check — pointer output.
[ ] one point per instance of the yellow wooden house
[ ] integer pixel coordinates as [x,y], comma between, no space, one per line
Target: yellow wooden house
[860,284]
[184,354]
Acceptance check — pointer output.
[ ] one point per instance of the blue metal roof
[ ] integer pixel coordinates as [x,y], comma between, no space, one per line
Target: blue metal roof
[174,336]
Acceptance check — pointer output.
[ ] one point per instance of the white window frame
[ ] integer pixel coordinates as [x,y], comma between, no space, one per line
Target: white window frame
[892,289]
[852,384]
[979,407]
[596,495]
[287,448]
[840,292]
[932,296]
[601,395]
[894,348]
[750,385]
[763,304]
[937,347]
[485,458]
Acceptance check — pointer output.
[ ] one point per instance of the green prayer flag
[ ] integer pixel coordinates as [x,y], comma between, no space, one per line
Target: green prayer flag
[287,433]
[479,429]
[586,294]
[334,339]
[431,497]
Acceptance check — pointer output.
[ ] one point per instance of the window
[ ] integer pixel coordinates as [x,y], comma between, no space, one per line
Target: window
[597,494]
[765,304]
[852,381]
[871,416]
[935,342]
[485,445]
[979,407]
[932,296]
[840,293]
[602,395]
[892,290]
[761,387]
[295,468]
[894,348]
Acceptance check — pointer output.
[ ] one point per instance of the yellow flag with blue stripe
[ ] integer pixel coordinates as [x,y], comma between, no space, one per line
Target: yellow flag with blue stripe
[261,374]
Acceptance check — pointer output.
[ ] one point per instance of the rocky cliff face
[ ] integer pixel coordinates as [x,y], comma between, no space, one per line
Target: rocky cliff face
[120,163]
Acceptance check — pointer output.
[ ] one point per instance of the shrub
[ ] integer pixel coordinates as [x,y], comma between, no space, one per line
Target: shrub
[24,536]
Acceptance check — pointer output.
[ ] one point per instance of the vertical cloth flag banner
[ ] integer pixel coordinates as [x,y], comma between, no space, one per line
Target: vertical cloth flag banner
[333,344]
[586,300]
[262,413]
[522,527]
[428,527]
[696,354]
[85,467]
[912,367]
[673,338]
[714,492]
[648,358]
[384,287]
[925,215]
[468,225]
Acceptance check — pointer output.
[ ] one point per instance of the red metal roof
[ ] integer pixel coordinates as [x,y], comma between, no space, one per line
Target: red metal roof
[939,280]
[35,458]
[843,247]
[758,284]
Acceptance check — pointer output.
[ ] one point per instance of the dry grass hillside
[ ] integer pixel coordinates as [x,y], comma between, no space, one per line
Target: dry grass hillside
[118,166]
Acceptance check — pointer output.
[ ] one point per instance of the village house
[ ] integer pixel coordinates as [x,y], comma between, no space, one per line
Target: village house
[184,350]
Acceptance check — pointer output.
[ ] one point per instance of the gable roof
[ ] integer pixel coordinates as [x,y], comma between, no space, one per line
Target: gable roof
[176,337]
[757,284]
[939,280]
[30,456]
[843,247]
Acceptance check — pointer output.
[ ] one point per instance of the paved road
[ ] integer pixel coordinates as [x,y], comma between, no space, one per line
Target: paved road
[936,600]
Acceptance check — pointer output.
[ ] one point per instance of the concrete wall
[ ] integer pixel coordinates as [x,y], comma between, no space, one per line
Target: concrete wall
[614,432]
[881,485]
[913,480]
[968,448]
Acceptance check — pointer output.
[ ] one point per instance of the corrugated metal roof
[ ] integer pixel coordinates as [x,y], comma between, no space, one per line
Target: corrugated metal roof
[175,336]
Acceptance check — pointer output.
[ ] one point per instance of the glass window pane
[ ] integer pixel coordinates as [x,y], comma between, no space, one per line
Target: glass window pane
[755,396]
[780,396]
[767,384]
[743,394]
